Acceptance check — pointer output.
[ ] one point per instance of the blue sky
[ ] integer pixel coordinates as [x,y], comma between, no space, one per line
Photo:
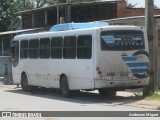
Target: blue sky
[141,3]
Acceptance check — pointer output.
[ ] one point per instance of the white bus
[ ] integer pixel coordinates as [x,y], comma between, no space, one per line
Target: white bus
[107,59]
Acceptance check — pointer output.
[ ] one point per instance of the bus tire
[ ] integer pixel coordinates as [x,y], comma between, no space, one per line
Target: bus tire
[107,92]
[64,87]
[24,83]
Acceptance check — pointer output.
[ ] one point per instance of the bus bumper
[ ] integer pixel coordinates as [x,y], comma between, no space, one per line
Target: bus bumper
[101,83]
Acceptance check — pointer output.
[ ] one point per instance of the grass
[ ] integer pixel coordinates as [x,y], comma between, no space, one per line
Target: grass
[153,96]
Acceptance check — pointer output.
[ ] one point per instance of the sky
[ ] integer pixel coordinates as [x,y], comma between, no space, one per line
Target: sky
[141,3]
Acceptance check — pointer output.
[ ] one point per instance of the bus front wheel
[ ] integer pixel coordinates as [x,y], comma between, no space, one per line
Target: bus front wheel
[24,83]
[64,87]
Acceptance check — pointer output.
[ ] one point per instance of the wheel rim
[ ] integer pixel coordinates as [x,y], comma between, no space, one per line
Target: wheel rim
[24,82]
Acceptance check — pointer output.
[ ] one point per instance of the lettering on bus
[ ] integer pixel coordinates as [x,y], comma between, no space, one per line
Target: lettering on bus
[122,40]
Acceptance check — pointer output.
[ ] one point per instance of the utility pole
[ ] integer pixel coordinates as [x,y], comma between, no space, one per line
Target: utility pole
[150,26]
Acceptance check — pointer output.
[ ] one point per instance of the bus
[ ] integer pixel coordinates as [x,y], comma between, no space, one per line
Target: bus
[103,58]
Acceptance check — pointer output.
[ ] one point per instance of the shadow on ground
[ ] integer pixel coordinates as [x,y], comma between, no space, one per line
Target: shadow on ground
[82,97]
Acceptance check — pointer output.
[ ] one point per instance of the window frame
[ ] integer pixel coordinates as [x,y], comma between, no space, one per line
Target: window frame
[24,51]
[83,47]
[58,48]
[35,49]
[46,48]
[69,48]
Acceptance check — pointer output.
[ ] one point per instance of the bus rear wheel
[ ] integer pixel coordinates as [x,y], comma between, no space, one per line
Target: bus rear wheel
[107,92]
[64,87]
[24,83]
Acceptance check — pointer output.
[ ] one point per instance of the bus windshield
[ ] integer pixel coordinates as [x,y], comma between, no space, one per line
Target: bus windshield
[15,49]
[122,40]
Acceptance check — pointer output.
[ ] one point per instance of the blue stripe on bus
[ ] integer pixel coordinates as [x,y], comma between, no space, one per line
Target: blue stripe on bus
[129,58]
[139,64]
[135,71]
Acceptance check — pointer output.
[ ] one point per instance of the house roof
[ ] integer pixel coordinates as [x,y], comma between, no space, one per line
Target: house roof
[18,31]
[67,4]
[127,18]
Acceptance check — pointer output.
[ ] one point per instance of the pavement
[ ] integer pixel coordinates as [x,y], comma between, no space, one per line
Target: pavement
[130,96]
[143,103]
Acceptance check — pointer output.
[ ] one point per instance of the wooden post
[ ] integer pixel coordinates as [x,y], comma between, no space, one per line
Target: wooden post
[150,26]
[57,13]
[33,20]
[68,14]
[2,47]
[46,18]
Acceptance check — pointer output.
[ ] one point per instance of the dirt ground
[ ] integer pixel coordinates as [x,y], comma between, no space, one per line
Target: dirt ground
[155,104]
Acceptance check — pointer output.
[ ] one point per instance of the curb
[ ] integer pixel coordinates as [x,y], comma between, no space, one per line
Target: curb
[144,106]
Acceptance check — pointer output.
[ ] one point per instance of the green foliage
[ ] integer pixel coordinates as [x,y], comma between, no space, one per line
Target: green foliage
[72,1]
[7,10]
[30,4]
[153,95]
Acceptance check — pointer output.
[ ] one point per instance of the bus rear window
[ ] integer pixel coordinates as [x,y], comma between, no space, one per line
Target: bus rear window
[122,40]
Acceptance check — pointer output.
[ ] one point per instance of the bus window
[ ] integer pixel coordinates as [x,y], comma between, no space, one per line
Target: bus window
[122,40]
[56,47]
[33,48]
[24,49]
[69,48]
[84,47]
[44,48]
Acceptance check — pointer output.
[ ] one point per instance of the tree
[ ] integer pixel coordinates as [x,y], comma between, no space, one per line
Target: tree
[7,10]
[30,4]
[156,7]
[129,5]
[71,1]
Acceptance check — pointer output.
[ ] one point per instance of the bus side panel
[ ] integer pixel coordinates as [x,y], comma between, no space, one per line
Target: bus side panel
[16,76]
[44,73]
[79,73]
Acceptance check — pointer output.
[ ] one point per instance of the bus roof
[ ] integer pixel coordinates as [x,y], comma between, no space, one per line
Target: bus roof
[73,32]
[72,26]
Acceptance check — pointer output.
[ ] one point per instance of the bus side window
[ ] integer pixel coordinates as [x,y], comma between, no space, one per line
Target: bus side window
[56,47]
[34,48]
[24,49]
[84,47]
[69,48]
[44,48]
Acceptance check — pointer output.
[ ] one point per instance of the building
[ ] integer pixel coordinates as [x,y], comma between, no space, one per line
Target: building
[78,12]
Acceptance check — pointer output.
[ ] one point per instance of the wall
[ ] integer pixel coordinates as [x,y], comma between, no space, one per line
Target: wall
[139,12]
[135,12]
[6,69]
[121,9]
[5,65]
